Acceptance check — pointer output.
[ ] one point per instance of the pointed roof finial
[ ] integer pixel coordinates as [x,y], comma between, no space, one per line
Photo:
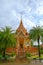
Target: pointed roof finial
[21,17]
[21,21]
[21,26]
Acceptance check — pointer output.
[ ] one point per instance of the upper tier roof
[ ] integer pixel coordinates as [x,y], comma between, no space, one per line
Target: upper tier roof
[21,28]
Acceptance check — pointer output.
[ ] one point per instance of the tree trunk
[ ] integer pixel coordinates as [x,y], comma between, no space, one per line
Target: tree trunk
[4,54]
[4,50]
[39,47]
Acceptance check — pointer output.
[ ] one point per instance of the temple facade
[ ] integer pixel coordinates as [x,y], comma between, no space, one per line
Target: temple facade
[23,43]
[22,38]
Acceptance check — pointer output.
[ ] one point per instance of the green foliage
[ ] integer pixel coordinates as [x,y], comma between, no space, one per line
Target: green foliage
[28,54]
[13,54]
[41,51]
[6,39]
[7,57]
[1,55]
[34,56]
[36,34]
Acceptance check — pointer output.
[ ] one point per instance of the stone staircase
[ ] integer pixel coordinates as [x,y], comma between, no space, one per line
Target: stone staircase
[20,60]
[21,56]
[21,53]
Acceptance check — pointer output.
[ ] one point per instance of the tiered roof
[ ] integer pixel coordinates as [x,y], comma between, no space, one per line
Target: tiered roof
[22,28]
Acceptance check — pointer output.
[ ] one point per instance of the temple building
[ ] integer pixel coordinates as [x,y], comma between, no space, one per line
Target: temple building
[22,38]
[23,43]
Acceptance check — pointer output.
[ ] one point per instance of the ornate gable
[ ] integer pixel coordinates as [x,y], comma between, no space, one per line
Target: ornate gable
[22,28]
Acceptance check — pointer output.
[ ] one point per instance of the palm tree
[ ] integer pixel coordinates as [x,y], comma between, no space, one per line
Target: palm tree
[36,34]
[6,39]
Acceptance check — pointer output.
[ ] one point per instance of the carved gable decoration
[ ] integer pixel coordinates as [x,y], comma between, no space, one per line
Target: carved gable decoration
[21,34]
[21,30]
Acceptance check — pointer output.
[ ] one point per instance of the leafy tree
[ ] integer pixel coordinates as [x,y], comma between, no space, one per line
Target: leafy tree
[36,34]
[6,39]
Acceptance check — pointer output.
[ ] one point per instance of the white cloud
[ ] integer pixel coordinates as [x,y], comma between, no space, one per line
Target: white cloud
[15,14]
[28,23]
[41,22]
[27,10]
[39,10]
[39,7]
[12,10]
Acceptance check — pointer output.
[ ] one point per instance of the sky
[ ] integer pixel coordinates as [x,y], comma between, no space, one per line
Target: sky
[12,10]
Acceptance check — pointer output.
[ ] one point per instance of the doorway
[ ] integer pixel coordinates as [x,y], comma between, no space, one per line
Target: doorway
[21,48]
[21,42]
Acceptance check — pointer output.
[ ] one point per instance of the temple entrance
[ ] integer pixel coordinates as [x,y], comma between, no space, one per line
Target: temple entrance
[21,45]
[21,42]
[22,37]
[21,48]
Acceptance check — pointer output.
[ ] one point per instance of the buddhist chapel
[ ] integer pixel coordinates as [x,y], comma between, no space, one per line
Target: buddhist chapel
[22,38]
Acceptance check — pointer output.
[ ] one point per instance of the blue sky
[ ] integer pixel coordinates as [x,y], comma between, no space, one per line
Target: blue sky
[12,10]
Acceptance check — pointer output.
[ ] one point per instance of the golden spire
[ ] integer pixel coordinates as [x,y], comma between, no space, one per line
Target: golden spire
[21,24]
[21,27]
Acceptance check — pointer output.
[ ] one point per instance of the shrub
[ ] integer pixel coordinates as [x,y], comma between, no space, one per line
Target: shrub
[1,56]
[13,54]
[28,54]
[41,51]
[7,57]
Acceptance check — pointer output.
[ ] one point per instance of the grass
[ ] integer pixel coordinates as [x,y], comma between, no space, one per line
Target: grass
[41,56]
[36,56]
